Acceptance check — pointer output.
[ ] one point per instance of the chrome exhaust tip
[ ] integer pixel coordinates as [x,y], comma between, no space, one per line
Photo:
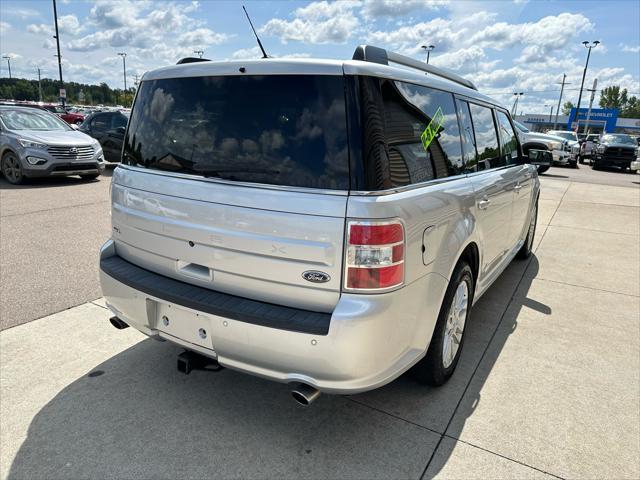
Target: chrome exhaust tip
[304,394]
[117,323]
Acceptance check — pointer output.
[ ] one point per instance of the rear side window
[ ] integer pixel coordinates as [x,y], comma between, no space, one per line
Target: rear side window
[468,139]
[276,129]
[409,135]
[101,122]
[488,150]
[508,139]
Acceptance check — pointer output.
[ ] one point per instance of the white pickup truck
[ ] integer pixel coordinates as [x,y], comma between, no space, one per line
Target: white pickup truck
[558,146]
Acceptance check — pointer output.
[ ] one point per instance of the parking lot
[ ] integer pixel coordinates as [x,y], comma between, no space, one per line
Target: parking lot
[548,384]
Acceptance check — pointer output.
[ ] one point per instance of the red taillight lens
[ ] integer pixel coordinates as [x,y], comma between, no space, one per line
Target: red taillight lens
[375,255]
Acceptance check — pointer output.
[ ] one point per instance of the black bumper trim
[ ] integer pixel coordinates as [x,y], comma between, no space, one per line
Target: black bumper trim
[215,303]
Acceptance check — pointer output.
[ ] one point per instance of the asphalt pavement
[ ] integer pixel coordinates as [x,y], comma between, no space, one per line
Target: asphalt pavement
[50,233]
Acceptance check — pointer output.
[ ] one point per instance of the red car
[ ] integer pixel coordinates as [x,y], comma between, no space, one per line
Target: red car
[62,113]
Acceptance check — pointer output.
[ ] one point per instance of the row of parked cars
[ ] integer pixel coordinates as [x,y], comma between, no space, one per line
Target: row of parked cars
[37,141]
[616,150]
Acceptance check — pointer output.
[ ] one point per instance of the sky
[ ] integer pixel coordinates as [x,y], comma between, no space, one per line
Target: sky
[503,46]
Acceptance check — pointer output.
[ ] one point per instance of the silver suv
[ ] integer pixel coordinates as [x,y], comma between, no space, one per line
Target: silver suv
[36,143]
[317,222]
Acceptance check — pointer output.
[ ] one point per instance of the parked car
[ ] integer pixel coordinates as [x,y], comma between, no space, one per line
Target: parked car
[108,128]
[325,223]
[615,150]
[571,145]
[70,118]
[542,141]
[36,143]
[587,147]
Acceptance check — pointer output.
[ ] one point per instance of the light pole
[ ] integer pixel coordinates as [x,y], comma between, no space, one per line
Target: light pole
[550,112]
[124,69]
[428,49]
[589,46]
[199,53]
[563,83]
[39,87]
[514,109]
[8,57]
[57,37]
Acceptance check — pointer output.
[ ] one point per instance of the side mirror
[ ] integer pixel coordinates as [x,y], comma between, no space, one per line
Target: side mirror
[540,158]
[120,130]
[74,126]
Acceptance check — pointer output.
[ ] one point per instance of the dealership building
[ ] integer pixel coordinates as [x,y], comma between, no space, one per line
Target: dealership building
[599,120]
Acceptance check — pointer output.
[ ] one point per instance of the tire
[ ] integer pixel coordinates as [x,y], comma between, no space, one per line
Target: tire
[595,166]
[527,249]
[543,168]
[573,164]
[90,176]
[11,168]
[438,365]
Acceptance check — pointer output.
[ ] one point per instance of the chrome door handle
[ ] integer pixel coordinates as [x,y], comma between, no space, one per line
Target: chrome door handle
[484,203]
[517,188]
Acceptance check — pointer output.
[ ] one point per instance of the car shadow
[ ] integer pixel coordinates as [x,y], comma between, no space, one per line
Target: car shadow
[135,416]
[49,182]
[552,175]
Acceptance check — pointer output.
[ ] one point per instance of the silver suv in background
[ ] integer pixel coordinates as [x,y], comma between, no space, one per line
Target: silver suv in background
[36,143]
[317,222]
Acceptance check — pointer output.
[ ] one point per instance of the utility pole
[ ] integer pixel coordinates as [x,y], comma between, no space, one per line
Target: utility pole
[564,77]
[428,49]
[124,69]
[8,64]
[593,94]
[550,112]
[39,87]
[584,74]
[63,94]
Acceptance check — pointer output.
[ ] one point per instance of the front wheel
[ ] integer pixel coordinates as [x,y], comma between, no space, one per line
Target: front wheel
[11,168]
[448,336]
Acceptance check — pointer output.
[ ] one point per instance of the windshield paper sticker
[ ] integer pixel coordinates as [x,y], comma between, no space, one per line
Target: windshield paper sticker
[432,129]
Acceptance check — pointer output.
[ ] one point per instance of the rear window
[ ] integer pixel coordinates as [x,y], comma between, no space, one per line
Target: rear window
[280,129]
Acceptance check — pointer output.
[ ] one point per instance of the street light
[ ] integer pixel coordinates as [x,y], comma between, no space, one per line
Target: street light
[514,109]
[589,46]
[8,57]
[124,69]
[428,50]
[199,53]
[550,111]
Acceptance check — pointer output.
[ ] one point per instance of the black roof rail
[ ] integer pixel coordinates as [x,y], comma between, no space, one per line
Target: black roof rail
[369,53]
[192,60]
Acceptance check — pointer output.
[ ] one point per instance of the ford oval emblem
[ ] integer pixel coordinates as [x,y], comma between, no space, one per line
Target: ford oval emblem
[315,276]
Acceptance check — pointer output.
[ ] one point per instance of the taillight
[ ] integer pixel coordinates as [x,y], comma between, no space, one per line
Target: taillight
[375,255]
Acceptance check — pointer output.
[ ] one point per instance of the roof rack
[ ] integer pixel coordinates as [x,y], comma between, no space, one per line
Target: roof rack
[192,60]
[369,53]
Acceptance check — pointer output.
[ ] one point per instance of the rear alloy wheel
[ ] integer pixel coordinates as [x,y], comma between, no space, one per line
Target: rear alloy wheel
[448,336]
[11,168]
[526,249]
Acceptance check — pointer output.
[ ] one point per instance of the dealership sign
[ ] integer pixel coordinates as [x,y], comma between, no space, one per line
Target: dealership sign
[599,116]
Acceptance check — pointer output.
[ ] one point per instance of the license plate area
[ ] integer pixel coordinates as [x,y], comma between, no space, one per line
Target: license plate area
[191,327]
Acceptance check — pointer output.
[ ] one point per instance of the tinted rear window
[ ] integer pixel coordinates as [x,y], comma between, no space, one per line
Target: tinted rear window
[280,130]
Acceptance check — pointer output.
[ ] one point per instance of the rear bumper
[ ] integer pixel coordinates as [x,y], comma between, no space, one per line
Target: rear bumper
[370,340]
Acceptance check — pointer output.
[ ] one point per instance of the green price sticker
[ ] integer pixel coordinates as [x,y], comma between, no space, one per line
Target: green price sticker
[429,133]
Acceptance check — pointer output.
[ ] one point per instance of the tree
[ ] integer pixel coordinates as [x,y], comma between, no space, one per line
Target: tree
[614,97]
[566,108]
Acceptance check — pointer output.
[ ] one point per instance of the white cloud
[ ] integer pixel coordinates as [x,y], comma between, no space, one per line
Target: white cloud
[318,22]
[23,13]
[40,29]
[630,48]
[202,36]
[398,8]
[4,27]
[247,53]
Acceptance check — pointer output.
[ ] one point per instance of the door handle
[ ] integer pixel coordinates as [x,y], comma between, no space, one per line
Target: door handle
[484,203]
[517,188]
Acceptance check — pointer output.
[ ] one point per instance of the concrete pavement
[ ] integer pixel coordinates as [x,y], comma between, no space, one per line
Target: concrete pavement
[547,386]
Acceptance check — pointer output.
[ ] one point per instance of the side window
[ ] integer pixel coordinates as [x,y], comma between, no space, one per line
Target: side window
[118,120]
[468,139]
[488,150]
[421,135]
[508,139]
[101,122]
